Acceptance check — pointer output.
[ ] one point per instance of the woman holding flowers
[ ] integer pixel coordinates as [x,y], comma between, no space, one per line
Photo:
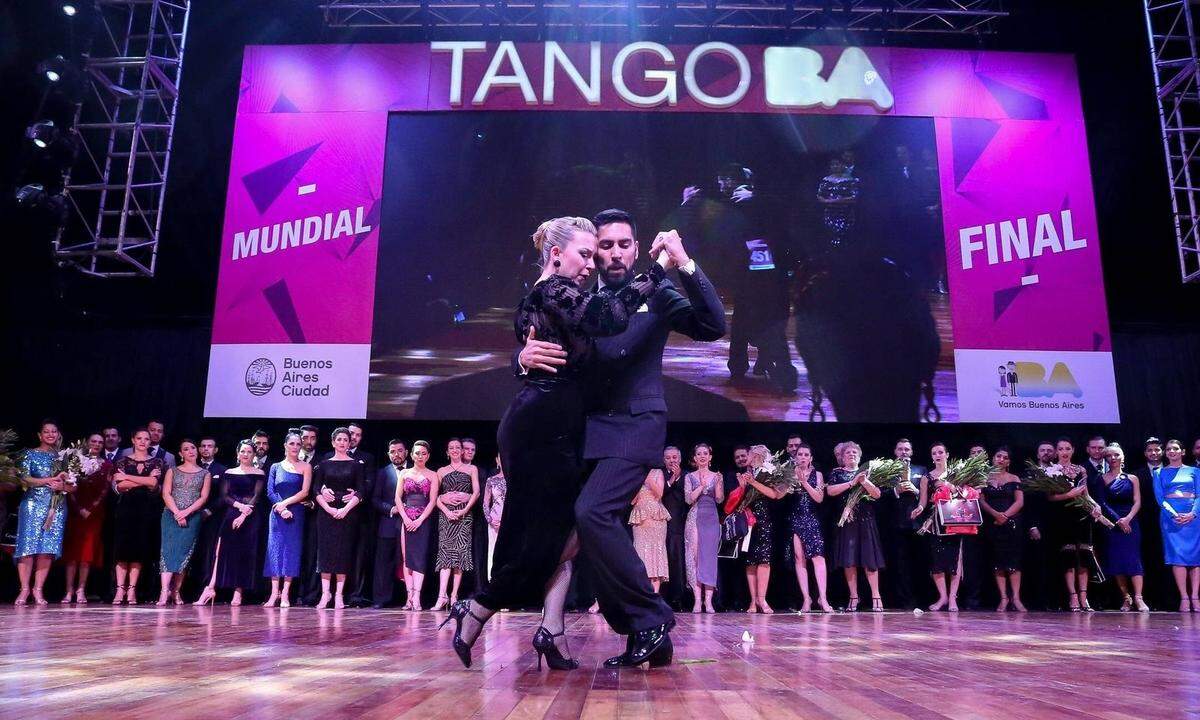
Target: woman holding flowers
[1074,529]
[40,520]
[857,543]
[945,551]
[83,547]
[758,556]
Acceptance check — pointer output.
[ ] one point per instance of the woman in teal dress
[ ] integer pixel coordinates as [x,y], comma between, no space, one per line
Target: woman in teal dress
[185,491]
[40,525]
[1177,491]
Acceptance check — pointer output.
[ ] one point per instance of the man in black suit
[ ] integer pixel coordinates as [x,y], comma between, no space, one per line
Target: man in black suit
[907,550]
[364,559]
[1152,550]
[732,592]
[309,583]
[1039,560]
[673,500]
[112,442]
[213,512]
[627,427]
[383,499]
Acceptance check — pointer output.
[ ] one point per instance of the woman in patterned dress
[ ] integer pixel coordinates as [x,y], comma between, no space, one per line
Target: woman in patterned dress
[416,492]
[649,519]
[83,547]
[807,540]
[494,491]
[185,491]
[762,535]
[459,485]
[40,524]
[704,491]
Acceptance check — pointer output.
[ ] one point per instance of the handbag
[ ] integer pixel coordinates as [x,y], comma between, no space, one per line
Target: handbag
[958,513]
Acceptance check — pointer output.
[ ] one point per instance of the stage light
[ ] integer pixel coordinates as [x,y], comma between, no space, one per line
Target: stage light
[35,197]
[42,133]
[54,69]
[69,10]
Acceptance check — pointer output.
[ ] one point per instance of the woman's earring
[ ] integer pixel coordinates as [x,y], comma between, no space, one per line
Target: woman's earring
[558,263]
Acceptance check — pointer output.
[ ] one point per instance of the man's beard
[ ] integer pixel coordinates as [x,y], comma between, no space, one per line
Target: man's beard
[608,279]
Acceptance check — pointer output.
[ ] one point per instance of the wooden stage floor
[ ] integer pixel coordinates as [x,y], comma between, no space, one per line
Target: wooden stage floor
[178,663]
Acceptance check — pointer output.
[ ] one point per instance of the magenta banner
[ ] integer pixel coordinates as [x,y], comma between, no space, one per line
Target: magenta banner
[328,306]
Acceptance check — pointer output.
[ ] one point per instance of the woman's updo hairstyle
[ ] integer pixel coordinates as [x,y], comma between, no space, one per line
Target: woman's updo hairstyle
[558,233]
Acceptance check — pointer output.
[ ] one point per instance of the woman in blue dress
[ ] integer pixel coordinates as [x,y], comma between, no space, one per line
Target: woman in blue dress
[40,525]
[1177,492]
[287,488]
[185,491]
[807,541]
[1121,500]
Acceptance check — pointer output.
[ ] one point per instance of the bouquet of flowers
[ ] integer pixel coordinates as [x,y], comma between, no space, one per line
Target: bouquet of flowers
[778,472]
[1052,480]
[75,462]
[10,460]
[884,473]
[972,472]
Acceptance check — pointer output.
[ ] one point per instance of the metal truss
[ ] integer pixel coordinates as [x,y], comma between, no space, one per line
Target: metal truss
[1173,49]
[125,121]
[972,17]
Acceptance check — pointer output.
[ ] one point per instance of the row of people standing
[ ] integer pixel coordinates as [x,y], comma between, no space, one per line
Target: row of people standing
[237,528]
[1019,528]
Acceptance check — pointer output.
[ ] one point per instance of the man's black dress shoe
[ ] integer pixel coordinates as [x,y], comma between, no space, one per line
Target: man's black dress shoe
[653,646]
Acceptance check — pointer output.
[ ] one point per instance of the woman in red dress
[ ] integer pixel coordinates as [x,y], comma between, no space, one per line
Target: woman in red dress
[82,547]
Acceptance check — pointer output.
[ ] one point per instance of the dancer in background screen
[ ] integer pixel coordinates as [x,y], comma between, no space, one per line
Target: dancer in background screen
[288,487]
[858,544]
[1002,502]
[1177,492]
[807,541]
[83,547]
[704,491]
[1121,500]
[416,494]
[185,491]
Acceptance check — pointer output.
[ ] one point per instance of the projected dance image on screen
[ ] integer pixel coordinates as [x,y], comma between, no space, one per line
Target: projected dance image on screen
[889,229]
[822,235]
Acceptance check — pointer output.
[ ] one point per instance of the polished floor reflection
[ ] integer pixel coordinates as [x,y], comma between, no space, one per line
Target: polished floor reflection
[177,663]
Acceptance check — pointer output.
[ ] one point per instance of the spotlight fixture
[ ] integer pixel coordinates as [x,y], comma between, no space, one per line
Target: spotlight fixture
[69,10]
[54,68]
[35,197]
[42,133]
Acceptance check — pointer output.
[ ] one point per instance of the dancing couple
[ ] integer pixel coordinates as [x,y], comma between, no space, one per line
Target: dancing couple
[592,394]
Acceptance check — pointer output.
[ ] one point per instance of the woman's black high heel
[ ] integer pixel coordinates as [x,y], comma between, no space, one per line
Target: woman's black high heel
[543,644]
[458,612]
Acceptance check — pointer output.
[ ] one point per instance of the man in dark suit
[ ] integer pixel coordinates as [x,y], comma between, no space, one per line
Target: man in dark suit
[907,550]
[112,442]
[309,583]
[732,592]
[364,559]
[383,499]
[627,427]
[1038,558]
[673,500]
[1158,577]
[156,450]
[213,512]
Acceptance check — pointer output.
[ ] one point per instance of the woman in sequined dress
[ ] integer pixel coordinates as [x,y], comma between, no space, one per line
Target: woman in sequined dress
[185,491]
[40,521]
